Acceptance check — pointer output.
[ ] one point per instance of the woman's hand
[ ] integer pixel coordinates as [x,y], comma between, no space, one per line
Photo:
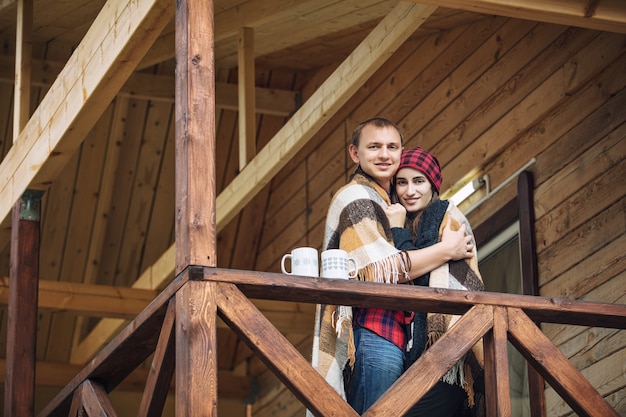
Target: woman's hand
[396,213]
[458,244]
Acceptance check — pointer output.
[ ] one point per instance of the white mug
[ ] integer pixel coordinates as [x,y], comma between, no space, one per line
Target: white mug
[304,261]
[336,264]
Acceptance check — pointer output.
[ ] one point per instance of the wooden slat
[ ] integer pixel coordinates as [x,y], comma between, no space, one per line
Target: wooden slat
[76,237]
[283,287]
[162,369]
[278,354]
[608,15]
[80,94]
[124,183]
[139,209]
[555,368]
[502,112]
[434,363]
[497,385]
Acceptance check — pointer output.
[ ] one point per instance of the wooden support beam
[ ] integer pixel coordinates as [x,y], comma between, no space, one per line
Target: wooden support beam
[23,62]
[162,369]
[497,385]
[145,86]
[196,349]
[606,15]
[195,136]
[58,375]
[102,62]
[247,112]
[87,299]
[196,237]
[434,363]
[278,354]
[555,368]
[94,400]
[19,393]
[530,276]
[138,340]
[276,286]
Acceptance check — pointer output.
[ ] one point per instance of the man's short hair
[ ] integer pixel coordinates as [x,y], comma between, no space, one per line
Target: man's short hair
[378,122]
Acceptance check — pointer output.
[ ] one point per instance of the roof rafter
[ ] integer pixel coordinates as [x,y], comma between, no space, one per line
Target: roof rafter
[605,15]
[82,91]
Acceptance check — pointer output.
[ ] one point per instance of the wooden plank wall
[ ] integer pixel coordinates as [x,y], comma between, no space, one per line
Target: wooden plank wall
[489,96]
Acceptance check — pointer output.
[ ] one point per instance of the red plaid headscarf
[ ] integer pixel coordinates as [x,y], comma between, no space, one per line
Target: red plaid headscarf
[426,162]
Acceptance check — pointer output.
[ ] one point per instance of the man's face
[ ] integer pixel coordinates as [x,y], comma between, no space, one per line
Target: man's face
[378,153]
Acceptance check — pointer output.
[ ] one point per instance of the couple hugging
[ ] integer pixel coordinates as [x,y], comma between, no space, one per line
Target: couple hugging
[420,240]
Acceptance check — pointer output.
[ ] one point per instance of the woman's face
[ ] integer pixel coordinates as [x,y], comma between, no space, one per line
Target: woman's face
[414,189]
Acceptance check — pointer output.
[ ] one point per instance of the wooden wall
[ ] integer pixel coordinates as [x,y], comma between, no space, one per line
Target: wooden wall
[488,97]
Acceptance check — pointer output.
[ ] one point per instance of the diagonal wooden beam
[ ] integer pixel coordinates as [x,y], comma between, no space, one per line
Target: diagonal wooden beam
[278,353]
[434,363]
[162,369]
[95,400]
[100,65]
[555,368]
[329,97]
[368,56]
[606,15]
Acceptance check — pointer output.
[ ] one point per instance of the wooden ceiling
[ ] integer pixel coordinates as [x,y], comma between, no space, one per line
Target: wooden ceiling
[108,212]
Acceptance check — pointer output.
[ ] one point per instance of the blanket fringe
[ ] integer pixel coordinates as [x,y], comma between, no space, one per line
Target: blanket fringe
[387,271]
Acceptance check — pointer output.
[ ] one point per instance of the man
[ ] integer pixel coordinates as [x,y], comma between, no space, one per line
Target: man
[374,344]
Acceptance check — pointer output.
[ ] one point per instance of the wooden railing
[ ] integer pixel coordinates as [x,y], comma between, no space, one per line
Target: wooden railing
[179,327]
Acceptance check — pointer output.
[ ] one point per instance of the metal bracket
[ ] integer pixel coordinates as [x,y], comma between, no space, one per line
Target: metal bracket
[30,205]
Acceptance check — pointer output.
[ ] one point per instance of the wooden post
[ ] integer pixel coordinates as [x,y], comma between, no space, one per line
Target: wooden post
[195,135]
[530,277]
[19,391]
[196,311]
[23,66]
[247,111]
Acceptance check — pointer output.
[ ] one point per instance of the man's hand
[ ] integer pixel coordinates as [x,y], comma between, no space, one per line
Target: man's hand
[396,213]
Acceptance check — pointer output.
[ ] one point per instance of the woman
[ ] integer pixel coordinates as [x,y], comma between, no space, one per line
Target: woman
[417,223]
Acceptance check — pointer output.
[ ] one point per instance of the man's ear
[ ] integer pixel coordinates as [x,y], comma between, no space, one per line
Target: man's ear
[354,153]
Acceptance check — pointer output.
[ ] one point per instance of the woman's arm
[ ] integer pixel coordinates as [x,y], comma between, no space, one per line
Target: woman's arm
[454,245]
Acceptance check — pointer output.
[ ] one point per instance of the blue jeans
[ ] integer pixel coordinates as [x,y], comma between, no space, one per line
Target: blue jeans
[378,364]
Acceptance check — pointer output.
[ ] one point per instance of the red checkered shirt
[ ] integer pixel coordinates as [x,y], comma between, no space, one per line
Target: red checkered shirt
[389,324]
